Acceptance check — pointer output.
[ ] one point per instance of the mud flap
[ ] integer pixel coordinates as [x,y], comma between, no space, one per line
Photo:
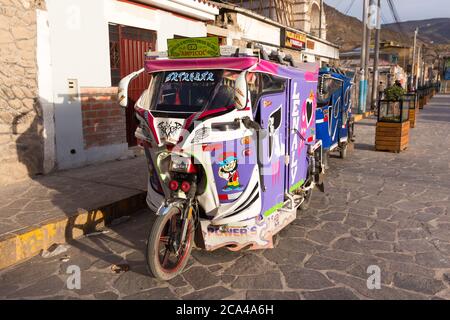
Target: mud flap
[258,234]
[198,238]
[319,182]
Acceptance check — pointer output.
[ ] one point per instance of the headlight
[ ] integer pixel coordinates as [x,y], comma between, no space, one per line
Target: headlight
[182,164]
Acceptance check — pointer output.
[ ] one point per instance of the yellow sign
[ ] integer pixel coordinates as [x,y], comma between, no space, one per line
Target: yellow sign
[293,40]
[205,47]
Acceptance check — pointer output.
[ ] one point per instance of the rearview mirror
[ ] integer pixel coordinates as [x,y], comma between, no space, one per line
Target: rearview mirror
[122,95]
[241,91]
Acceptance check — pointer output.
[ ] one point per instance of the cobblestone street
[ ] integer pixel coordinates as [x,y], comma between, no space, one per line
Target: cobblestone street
[385,209]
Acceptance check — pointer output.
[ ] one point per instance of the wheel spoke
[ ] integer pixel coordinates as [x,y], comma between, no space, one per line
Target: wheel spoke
[164,239]
[166,257]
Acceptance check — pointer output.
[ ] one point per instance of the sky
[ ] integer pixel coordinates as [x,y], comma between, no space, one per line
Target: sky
[407,9]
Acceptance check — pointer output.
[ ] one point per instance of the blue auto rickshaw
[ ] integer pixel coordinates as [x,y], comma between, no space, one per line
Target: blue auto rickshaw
[334,122]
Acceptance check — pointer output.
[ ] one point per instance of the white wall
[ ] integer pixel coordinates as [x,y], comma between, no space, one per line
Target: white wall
[165,23]
[258,31]
[79,46]
[323,50]
[45,87]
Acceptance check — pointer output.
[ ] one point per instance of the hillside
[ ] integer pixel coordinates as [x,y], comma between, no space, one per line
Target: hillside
[431,31]
[347,31]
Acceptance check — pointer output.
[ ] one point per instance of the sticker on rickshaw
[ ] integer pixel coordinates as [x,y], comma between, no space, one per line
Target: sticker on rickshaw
[204,47]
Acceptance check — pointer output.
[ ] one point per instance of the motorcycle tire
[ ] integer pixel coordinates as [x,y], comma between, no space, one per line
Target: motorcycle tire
[165,224]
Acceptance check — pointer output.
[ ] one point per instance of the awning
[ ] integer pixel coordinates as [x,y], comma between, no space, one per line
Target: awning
[199,9]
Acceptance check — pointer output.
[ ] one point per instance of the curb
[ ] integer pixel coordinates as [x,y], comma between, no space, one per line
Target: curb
[362,116]
[28,242]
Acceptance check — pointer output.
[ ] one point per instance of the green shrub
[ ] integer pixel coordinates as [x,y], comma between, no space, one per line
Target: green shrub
[394,93]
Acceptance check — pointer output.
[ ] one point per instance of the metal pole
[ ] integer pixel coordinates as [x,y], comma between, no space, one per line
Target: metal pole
[320,20]
[376,59]
[363,81]
[367,64]
[413,69]
[418,64]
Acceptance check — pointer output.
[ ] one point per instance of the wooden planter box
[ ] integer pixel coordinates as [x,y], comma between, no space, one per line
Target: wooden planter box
[392,131]
[413,117]
[421,102]
[392,137]
[410,100]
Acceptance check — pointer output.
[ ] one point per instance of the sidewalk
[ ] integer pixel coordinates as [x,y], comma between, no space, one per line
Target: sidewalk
[65,205]
[383,209]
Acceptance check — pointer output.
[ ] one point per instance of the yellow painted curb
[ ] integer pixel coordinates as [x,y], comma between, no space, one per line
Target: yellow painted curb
[359,117]
[26,243]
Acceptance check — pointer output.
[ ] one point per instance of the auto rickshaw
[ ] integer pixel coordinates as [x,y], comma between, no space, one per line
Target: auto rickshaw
[230,139]
[333,114]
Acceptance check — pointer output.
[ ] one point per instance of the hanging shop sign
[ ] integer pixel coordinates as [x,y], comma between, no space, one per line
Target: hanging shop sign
[293,40]
[205,47]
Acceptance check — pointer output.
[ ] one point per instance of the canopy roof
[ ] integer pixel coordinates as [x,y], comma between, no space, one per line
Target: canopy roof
[229,63]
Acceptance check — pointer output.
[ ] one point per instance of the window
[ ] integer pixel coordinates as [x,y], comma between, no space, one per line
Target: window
[327,86]
[114,54]
[272,84]
[263,83]
[254,86]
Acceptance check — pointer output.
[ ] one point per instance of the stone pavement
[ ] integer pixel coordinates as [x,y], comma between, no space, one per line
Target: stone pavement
[63,193]
[37,212]
[384,209]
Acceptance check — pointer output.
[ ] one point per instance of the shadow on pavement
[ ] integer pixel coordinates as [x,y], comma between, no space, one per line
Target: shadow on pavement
[70,192]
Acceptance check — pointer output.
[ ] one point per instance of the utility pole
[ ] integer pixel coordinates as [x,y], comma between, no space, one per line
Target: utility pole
[363,80]
[367,63]
[413,69]
[376,58]
[418,65]
[320,19]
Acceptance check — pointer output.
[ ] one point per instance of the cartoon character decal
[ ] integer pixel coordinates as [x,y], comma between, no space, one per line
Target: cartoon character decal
[228,171]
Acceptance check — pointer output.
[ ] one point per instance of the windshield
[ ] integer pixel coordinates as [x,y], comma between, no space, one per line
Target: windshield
[190,91]
[327,86]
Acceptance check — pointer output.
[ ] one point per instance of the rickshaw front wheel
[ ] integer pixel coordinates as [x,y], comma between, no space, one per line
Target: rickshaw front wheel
[166,253]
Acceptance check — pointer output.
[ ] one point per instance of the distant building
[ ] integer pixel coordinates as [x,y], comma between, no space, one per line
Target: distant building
[294,27]
[402,53]
[305,15]
[389,68]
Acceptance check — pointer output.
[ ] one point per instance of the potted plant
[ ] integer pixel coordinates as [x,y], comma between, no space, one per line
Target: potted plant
[392,131]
